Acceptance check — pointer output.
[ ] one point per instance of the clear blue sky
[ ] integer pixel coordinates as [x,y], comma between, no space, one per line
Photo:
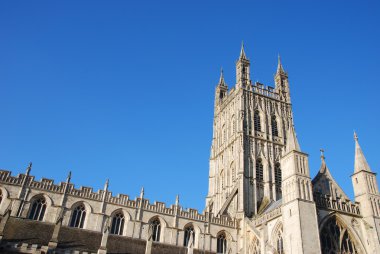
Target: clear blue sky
[124,89]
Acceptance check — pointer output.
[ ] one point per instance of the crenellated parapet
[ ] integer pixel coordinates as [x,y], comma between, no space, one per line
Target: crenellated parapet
[87,193]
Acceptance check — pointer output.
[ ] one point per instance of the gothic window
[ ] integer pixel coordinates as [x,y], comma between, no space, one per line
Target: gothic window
[233,125]
[78,217]
[156,226]
[280,243]
[335,238]
[117,224]
[189,232]
[224,134]
[221,242]
[259,170]
[38,209]
[257,121]
[277,174]
[274,126]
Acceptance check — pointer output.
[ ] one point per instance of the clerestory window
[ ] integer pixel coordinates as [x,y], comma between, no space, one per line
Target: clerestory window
[38,209]
[78,217]
[117,224]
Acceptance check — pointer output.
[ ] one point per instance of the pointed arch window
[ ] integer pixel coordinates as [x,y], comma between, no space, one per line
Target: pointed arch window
[257,121]
[277,174]
[156,230]
[78,217]
[280,243]
[259,170]
[117,226]
[254,247]
[38,209]
[274,126]
[189,233]
[233,125]
[335,238]
[221,242]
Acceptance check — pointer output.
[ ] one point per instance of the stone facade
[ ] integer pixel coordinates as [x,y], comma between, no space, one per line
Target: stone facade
[261,197]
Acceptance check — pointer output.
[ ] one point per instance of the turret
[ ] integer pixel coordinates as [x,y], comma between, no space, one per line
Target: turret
[299,214]
[221,89]
[367,195]
[242,69]
[281,82]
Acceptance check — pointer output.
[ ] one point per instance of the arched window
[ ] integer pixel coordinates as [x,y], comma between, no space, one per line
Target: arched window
[257,121]
[221,242]
[38,209]
[277,174]
[274,126]
[156,230]
[259,170]
[1,196]
[117,224]
[78,217]
[335,238]
[280,243]
[189,232]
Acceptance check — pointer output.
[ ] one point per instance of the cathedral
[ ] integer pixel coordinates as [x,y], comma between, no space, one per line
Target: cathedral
[261,197]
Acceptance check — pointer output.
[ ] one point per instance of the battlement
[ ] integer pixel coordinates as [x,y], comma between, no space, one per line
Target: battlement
[120,199]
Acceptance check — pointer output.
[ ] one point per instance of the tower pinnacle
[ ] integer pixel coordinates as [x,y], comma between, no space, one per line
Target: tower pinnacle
[242,52]
[360,160]
[280,69]
[221,79]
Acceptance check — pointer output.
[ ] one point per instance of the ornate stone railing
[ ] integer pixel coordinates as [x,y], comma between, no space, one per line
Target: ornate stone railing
[267,216]
[121,199]
[328,203]
[266,91]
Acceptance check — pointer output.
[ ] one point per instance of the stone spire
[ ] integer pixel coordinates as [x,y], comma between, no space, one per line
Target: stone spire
[280,69]
[242,52]
[360,160]
[292,142]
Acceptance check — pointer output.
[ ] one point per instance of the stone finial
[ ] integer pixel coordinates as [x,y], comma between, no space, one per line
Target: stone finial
[68,179]
[360,160]
[323,162]
[177,200]
[29,168]
[142,193]
[322,154]
[356,137]
[106,185]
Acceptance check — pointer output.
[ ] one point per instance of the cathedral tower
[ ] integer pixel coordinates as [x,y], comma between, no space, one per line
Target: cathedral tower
[248,139]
